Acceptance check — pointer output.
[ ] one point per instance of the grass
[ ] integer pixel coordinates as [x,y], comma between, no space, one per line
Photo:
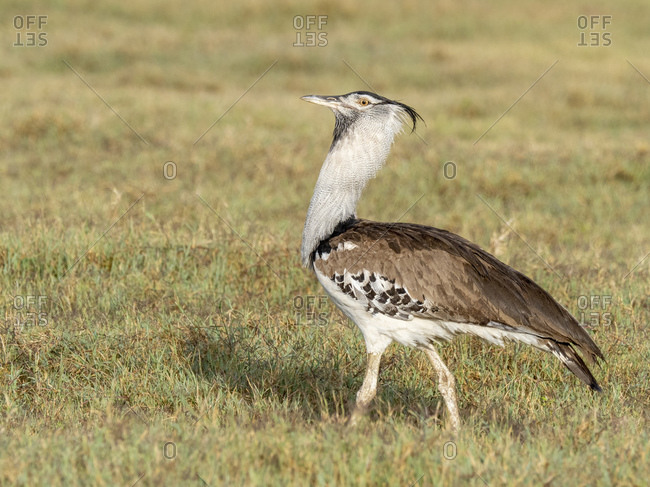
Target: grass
[169,335]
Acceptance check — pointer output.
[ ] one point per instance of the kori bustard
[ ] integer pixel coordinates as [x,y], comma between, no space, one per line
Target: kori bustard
[414,284]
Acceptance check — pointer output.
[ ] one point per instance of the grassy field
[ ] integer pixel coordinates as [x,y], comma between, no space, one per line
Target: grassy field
[156,167]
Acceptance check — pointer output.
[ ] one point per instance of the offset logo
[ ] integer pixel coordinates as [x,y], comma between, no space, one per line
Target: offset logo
[310,310]
[593,30]
[594,309]
[26,311]
[310,30]
[30,30]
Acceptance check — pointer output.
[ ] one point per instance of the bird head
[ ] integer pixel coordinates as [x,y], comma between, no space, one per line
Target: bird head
[366,109]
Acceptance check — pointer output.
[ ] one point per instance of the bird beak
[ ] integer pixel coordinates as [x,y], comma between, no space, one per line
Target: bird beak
[332,102]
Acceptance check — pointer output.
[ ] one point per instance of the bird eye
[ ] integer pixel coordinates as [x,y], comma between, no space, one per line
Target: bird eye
[364,102]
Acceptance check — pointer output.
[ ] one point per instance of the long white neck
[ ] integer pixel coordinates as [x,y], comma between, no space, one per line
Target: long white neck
[353,160]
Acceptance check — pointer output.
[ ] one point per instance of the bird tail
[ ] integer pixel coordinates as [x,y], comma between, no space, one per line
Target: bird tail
[574,363]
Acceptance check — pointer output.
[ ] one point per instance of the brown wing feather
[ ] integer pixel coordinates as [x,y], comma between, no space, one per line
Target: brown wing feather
[466,283]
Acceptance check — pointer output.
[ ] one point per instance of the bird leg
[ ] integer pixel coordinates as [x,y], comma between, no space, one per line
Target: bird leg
[446,384]
[368,389]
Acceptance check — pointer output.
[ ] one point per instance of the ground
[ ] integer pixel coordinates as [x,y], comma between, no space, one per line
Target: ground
[157,164]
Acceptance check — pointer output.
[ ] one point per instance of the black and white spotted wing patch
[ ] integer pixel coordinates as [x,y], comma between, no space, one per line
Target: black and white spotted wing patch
[383,295]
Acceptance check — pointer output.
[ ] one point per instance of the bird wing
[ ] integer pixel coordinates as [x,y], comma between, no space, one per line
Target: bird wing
[406,270]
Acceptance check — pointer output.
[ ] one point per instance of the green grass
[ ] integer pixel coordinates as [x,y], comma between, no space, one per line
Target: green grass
[176,344]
